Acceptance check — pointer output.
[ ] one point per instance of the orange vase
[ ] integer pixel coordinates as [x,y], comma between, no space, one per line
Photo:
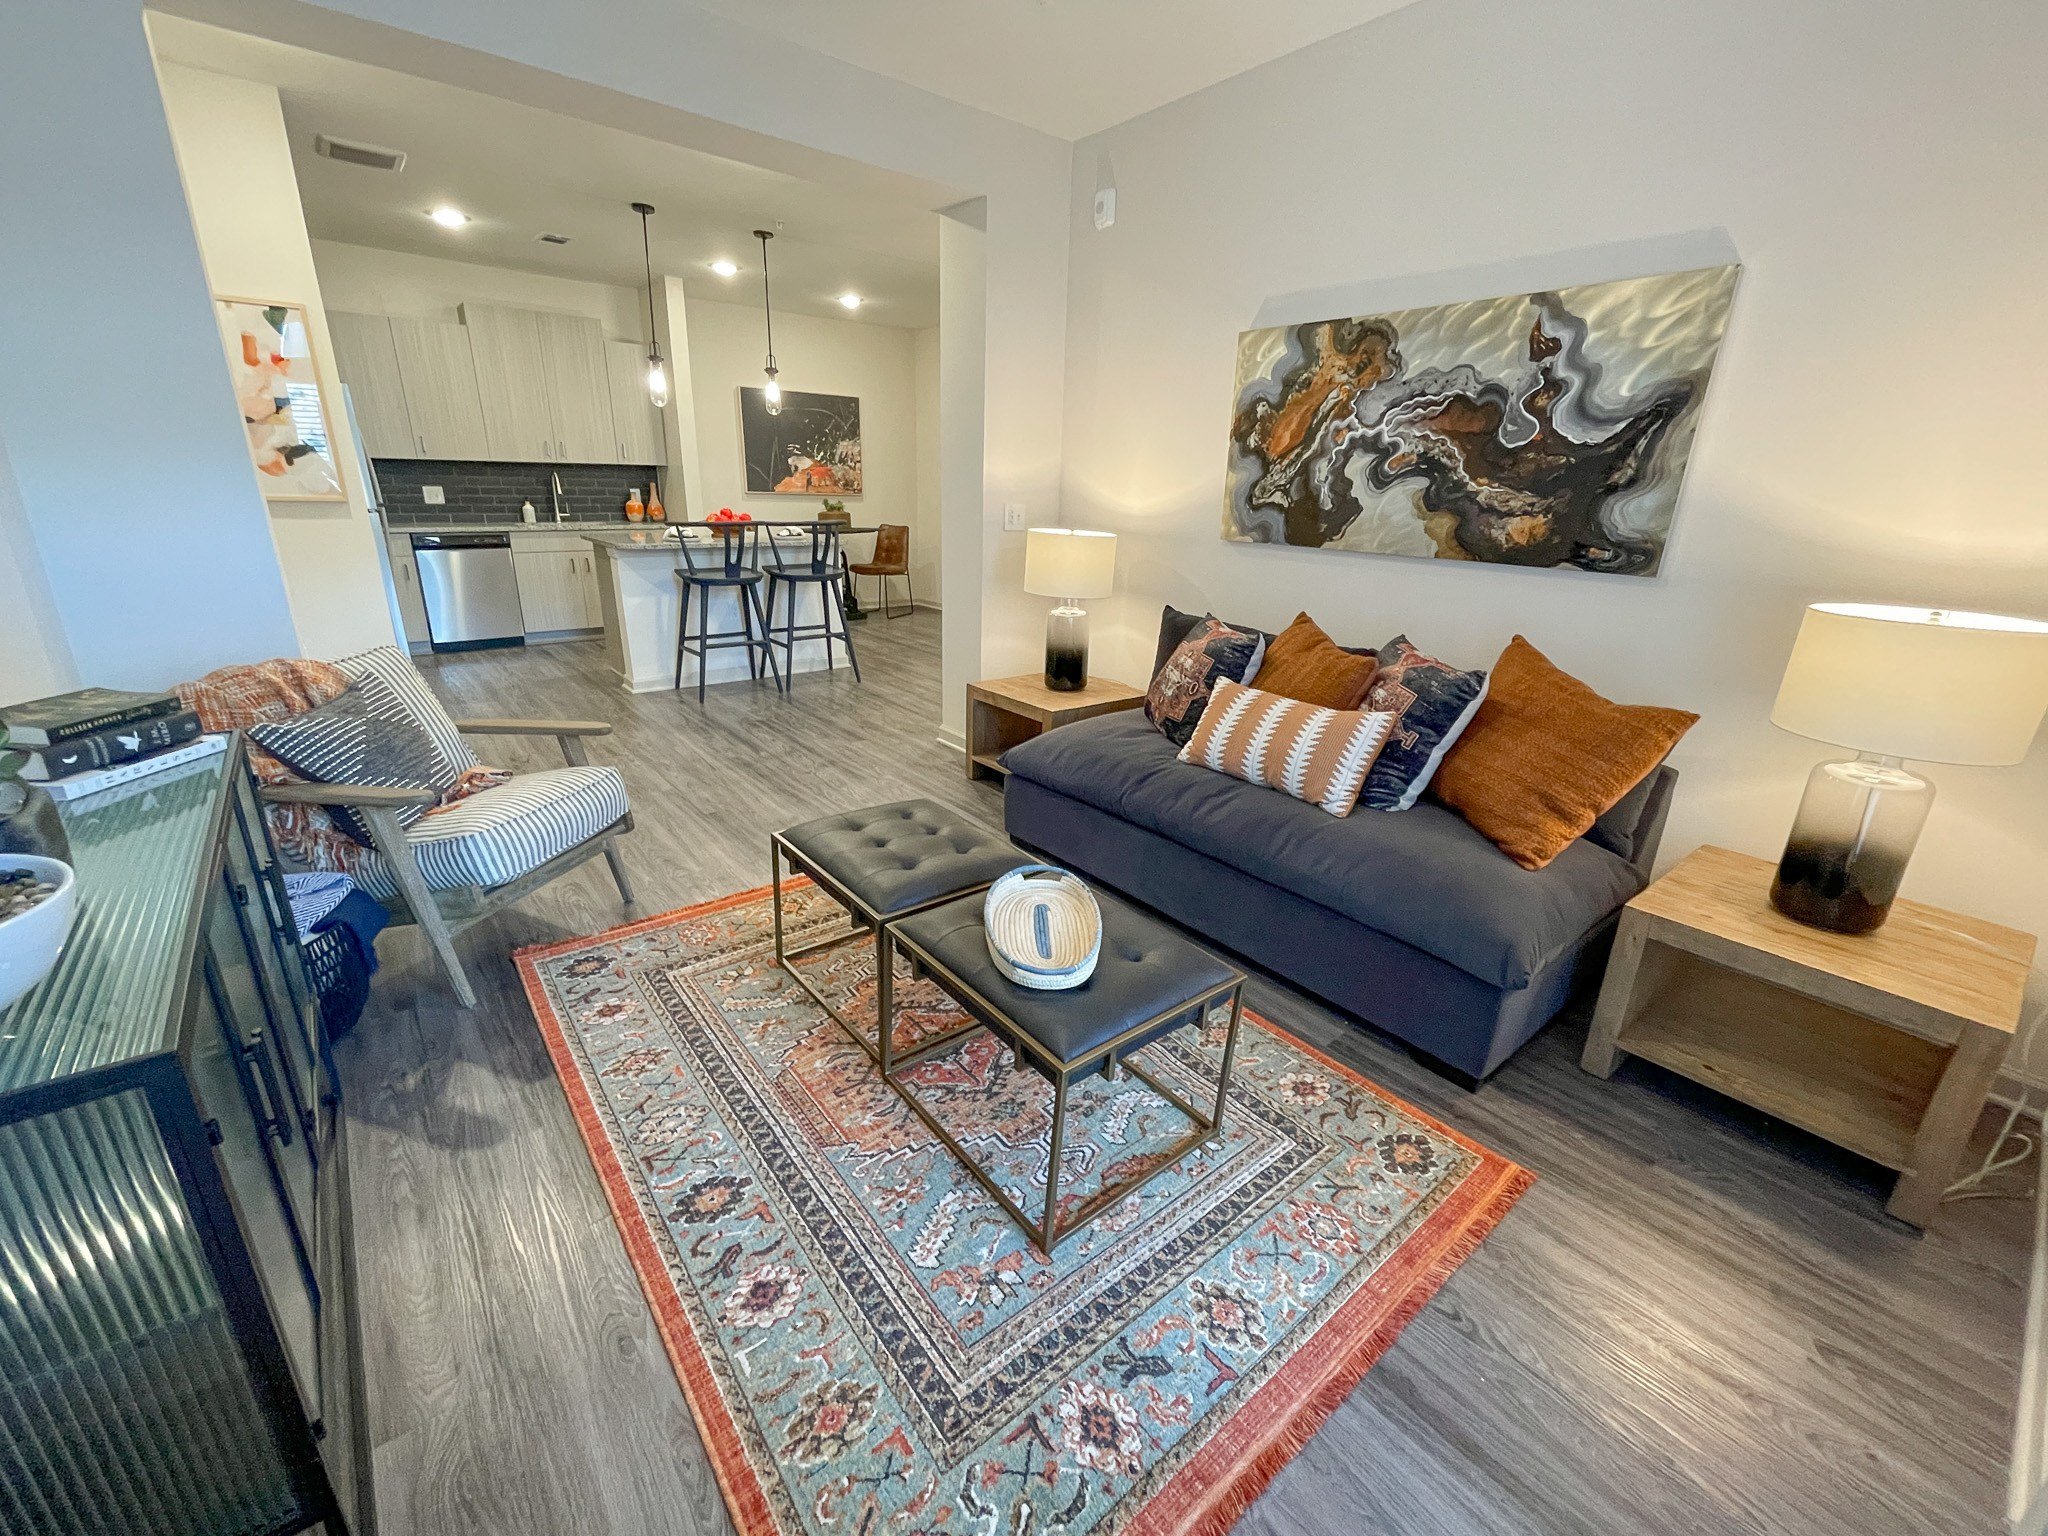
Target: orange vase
[656,512]
[634,510]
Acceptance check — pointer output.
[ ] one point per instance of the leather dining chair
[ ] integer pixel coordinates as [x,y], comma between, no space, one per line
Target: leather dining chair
[891,558]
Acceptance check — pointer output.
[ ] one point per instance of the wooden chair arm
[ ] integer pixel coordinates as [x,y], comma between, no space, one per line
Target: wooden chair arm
[534,727]
[366,796]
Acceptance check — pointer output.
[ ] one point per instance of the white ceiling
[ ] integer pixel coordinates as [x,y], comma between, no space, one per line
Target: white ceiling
[1068,67]
[519,171]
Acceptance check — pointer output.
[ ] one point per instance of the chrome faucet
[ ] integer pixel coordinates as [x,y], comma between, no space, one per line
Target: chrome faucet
[555,492]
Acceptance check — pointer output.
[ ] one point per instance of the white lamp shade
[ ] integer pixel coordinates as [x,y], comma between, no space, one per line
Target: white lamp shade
[1069,562]
[1926,683]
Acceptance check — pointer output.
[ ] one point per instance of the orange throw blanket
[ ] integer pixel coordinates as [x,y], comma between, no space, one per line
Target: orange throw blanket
[236,698]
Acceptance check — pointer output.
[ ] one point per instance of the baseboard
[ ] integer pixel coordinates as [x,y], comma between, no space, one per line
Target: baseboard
[952,741]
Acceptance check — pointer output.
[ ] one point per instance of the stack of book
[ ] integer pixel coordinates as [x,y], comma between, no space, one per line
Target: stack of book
[78,743]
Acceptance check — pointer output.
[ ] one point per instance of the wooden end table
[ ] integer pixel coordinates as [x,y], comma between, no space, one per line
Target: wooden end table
[1006,710]
[1885,1043]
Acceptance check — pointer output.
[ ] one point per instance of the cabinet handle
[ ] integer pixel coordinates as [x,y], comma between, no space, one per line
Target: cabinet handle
[561,449]
[422,442]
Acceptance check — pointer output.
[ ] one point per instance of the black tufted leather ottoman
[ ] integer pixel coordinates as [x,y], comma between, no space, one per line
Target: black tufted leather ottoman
[1149,981]
[882,863]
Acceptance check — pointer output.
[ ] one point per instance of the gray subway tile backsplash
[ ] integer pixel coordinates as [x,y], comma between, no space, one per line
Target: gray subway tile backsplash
[491,493]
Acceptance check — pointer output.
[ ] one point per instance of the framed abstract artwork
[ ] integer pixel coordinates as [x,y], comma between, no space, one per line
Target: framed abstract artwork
[1541,429]
[271,360]
[811,447]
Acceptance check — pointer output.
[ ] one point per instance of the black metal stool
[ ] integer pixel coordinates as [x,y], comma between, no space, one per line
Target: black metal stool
[728,570]
[822,570]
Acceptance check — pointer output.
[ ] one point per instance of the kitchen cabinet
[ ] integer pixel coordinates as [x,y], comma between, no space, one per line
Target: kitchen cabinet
[542,383]
[635,421]
[368,363]
[578,391]
[511,379]
[557,583]
[438,370]
[405,577]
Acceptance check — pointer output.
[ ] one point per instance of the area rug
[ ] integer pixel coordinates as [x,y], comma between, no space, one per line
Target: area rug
[868,1343]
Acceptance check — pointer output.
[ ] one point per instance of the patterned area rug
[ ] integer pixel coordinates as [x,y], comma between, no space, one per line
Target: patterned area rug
[869,1344]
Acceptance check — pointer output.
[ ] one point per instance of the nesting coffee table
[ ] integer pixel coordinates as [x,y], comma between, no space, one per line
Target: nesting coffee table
[914,876]
[1148,982]
[884,863]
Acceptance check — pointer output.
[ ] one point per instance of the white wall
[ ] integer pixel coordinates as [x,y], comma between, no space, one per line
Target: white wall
[878,363]
[126,450]
[1869,432]
[929,532]
[237,168]
[35,658]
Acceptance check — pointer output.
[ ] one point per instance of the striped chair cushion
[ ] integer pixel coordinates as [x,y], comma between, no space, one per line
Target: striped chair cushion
[404,688]
[502,833]
[1314,754]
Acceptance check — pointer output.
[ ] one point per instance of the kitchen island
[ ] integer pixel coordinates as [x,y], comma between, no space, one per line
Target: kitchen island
[641,603]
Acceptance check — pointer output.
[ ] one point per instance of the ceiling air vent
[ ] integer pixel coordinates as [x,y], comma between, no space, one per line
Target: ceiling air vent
[375,156]
[552,239]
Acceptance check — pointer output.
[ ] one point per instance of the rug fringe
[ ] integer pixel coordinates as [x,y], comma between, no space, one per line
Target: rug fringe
[1240,1488]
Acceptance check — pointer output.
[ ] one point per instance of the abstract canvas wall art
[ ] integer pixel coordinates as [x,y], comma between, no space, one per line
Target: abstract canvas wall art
[810,448]
[1541,429]
[271,361]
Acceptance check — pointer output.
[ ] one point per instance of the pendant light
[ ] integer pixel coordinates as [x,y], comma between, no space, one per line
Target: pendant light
[657,370]
[772,394]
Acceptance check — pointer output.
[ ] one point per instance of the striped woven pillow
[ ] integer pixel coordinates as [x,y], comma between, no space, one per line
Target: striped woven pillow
[1314,754]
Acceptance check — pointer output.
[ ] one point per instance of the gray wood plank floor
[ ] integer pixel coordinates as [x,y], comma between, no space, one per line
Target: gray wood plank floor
[1697,1321]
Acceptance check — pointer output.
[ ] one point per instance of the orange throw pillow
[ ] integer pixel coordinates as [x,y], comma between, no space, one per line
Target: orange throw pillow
[1545,755]
[1304,663]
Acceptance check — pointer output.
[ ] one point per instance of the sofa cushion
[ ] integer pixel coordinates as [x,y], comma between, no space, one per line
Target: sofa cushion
[348,741]
[405,690]
[1212,650]
[1304,663]
[1425,877]
[1314,754]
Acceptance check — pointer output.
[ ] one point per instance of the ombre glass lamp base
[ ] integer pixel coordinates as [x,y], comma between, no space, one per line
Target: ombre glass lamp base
[1066,649]
[1857,826]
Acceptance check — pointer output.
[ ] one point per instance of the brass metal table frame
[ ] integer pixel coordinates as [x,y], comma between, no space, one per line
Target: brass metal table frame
[1048,1232]
[880,1050]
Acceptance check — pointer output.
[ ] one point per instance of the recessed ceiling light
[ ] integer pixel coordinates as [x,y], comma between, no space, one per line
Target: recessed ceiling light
[725,268]
[448,216]
[849,301]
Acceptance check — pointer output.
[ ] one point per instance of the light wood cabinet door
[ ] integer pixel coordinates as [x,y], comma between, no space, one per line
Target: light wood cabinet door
[550,590]
[593,604]
[405,576]
[512,382]
[439,373]
[635,421]
[368,365]
[578,388]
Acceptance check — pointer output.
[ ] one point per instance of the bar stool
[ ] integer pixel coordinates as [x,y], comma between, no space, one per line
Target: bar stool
[729,570]
[822,570]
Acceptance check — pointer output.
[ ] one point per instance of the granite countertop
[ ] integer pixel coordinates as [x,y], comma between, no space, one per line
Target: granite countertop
[653,540]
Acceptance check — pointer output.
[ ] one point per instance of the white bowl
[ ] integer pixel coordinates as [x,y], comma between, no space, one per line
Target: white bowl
[31,941]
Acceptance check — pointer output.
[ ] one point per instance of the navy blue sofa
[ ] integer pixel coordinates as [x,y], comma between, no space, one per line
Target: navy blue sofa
[1410,920]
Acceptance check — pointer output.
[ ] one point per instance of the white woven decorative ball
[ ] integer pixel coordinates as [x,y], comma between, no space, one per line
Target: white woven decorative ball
[1043,928]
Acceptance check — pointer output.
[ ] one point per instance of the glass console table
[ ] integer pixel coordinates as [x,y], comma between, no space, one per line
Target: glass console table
[179,1346]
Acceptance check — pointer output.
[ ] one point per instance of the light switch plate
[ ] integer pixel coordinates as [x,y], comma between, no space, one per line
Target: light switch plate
[1013,517]
[434,495]
[1105,208]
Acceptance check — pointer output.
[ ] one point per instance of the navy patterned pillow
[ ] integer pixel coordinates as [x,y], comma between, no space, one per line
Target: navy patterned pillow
[343,742]
[1432,702]
[1174,626]
[1212,650]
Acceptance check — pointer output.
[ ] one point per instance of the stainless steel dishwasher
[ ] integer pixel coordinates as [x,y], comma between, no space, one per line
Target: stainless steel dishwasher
[470,589]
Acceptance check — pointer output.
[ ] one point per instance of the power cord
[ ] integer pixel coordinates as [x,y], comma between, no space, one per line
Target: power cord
[1998,1159]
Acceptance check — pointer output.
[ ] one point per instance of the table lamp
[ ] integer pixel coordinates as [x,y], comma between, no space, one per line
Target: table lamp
[1069,564]
[1893,683]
